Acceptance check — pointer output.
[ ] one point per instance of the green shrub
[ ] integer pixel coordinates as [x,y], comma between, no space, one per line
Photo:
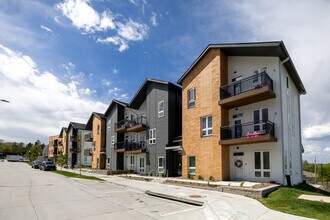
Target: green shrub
[200,177]
[211,178]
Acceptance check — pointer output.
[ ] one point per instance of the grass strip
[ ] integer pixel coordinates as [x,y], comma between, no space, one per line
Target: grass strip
[76,175]
[285,199]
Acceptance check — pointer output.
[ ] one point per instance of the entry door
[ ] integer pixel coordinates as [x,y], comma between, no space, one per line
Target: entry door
[141,164]
[178,164]
[132,162]
[260,118]
[238,164]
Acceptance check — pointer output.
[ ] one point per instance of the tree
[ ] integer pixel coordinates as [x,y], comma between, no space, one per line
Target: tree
[61,159]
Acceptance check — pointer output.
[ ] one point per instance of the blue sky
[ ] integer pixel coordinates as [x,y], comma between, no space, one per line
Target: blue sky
[61,60]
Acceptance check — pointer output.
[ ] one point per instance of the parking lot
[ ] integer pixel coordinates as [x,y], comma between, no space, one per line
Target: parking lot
[28,193]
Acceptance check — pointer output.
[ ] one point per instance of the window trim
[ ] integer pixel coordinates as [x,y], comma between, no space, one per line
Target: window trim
[191,168]
[192,101]
[206,129]
[262,170]
[162,112]
[162,167]
[152,136]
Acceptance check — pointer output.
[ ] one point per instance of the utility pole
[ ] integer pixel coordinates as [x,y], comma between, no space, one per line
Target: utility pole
[315,169]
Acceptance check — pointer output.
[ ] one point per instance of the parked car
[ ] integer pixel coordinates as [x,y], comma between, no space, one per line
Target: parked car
[47,165]
[36,164]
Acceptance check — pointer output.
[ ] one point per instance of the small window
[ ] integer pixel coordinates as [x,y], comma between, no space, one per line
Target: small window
[287,82]
[109,126]
[160,164]
[94,145]
[132,160]
[98,129]
[192,165]
[152,136]
[160,109]
[206,126]
[113,140]
[191,97]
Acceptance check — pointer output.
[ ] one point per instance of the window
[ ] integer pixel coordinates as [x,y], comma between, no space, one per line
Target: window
[260,118]
[262,164]
[160,164]
[113,140]
[287,82]
[191,97]
[109,126]
[152,136]
[206,126]
[98,129]
[192,165]
[132,160]
[160,109]
[94,145]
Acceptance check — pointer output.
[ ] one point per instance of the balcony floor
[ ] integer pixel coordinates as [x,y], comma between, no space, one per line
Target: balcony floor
[121,130]
[251,140]
[253,96]
[137,128]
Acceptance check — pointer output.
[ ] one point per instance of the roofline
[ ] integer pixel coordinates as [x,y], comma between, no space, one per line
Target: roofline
[155,81]
[70,124]
[250,44]
[114,101]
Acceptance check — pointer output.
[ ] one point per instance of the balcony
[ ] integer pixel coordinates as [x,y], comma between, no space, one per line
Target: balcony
[248,133]
[88,152]
[89,137]
[138,124]
[131,147]
[75,149]
[120,127]
[60,143]
[247,91]
[74,138]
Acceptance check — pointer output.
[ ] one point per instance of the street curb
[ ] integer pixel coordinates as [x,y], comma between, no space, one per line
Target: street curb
[175,198]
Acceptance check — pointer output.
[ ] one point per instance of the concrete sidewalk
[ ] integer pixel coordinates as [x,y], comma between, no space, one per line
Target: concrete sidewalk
[217,205]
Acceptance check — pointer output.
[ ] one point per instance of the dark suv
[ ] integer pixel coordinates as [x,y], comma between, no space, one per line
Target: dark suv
[47,165]
[36,164]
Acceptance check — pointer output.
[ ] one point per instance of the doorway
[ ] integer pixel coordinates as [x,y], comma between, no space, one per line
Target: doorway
[238,164]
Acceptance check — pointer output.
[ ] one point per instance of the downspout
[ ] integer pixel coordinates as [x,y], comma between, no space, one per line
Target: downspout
[282,120]
[300,139]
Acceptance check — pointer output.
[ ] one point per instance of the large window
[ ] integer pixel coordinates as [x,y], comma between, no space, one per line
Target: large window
[206,126]
[160,164]
[160,109]
[260,118]
[152,136]
[192,165]
[191,97]
[262,164]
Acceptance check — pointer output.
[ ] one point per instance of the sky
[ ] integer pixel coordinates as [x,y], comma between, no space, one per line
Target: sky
[62,60]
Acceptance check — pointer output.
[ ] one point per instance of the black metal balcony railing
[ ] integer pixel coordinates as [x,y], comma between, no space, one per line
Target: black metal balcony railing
[130,145]
[251,83]
[60,143]
[75,149]
[247,130]
[55,150]
[126,123]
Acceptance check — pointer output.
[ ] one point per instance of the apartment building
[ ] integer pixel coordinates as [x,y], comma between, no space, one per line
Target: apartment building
[53,147]
[96,124]
[63,142]
[241,114]
[139,133]
[79,149]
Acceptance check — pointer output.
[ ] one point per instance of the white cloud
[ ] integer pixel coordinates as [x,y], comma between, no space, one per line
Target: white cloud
[46,29]
[87,19]
[153,19]
[84,17]
[317,132]
[105,82]
[115,93]
[327,150]
[132,31]
[40,104]
[115,71]
[312,150]
[116,41]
